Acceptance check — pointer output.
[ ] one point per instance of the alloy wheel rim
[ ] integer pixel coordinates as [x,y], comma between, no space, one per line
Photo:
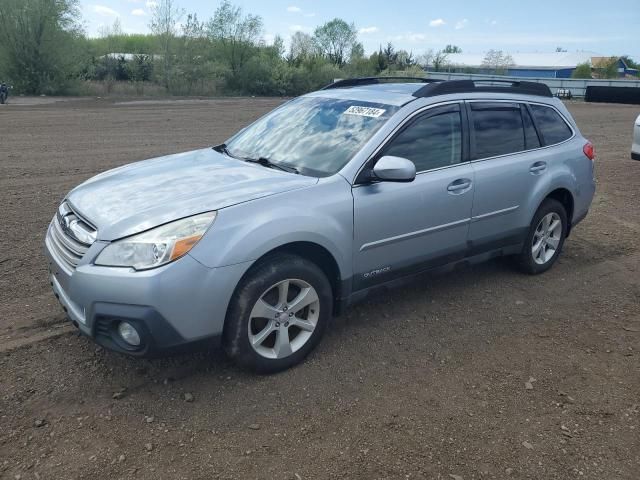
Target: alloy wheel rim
[283,319]
[546,238]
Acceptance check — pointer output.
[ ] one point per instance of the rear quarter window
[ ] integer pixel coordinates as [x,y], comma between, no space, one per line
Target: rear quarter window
[552,126]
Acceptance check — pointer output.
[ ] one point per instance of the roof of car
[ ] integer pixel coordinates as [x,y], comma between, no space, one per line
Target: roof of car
[397,94]
[399,91]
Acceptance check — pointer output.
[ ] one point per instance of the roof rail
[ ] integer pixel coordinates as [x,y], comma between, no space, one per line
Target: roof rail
[469,86]
[356,82]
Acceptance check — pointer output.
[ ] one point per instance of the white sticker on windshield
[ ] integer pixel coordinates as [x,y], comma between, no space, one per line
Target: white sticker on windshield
[364,111]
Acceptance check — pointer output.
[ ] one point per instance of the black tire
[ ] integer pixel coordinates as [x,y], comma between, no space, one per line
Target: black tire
[263,276]
[525,260]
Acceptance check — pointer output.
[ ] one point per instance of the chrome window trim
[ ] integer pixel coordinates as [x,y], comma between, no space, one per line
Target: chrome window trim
[462,103]
[520,102]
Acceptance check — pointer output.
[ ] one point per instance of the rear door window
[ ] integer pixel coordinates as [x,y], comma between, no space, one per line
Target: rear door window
[551,125]
[497,129]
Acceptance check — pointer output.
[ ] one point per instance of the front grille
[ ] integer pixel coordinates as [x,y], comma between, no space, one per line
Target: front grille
[63,234]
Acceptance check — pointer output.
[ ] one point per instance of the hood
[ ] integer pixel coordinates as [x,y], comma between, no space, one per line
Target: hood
[142,195]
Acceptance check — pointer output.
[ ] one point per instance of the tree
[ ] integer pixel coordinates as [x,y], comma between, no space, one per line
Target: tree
[357,53]
[193,28]
[498,61]
[140,68]
[405,60]
[112,34]
[439,60]
[426,59]
[278,46]
[452,49]
[359,64]
[301,48]
[379,62]
[236,33]
[191,60]
[629,62]
[37,42]
[335,40]
[391,59]
[390,55]
[165,16]
[114,30]
[606,67]
[583,70]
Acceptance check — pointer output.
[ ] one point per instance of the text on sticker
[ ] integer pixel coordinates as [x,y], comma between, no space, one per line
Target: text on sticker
[364,111]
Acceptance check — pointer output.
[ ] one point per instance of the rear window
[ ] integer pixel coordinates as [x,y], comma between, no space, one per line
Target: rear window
[498,129]
[551,125]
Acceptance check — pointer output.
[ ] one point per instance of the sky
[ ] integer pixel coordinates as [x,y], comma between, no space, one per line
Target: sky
[609,27]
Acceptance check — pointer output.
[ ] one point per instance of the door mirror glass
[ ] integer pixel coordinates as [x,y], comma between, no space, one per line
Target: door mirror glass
[394,169]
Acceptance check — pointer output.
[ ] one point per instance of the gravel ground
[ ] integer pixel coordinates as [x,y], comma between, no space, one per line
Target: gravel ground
[482,373]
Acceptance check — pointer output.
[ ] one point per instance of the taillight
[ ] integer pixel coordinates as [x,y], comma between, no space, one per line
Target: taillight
[589,151]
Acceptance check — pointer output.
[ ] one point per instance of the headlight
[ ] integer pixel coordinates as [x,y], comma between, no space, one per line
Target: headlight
[156,247]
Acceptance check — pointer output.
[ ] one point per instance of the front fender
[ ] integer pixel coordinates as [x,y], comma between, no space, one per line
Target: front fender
[322,214]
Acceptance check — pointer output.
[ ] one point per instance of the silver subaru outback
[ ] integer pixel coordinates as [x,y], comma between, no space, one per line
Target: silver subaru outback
[256,243]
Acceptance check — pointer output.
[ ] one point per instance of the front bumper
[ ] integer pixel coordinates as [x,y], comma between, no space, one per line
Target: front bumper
[174,307]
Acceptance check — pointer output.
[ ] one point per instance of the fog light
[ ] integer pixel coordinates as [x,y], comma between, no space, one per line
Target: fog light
[129,334]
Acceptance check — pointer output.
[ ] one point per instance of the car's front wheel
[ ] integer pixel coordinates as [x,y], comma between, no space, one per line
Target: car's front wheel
[545,238]
[278,313]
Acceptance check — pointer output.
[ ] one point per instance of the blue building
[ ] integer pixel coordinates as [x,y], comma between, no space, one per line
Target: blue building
[538,65]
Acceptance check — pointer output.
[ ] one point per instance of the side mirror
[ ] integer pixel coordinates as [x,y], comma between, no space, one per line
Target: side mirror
[394,169]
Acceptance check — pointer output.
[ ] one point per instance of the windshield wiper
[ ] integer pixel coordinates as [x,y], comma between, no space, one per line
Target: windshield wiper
[264,161]
[222,148]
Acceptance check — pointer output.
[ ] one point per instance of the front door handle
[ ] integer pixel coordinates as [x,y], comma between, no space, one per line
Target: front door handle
[459,186]
[538,167]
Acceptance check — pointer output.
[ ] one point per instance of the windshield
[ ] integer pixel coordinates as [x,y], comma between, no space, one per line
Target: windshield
[316,135]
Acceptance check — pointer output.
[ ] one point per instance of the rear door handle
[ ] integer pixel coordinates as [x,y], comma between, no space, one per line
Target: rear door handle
[459,186]
[538,167]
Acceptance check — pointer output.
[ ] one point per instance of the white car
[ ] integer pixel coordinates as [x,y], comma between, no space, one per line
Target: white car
[635,147]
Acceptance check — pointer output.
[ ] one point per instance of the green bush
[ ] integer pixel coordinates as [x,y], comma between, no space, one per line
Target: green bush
[583,70]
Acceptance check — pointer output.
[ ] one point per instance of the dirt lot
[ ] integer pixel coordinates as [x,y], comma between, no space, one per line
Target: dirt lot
[484,373]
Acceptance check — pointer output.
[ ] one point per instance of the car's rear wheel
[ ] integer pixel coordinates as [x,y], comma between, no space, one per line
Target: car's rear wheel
[545,238]
[278,313]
